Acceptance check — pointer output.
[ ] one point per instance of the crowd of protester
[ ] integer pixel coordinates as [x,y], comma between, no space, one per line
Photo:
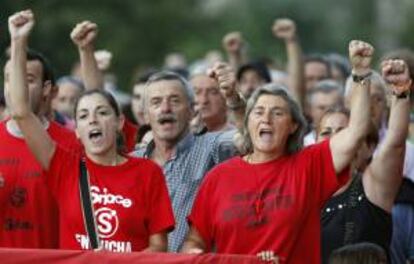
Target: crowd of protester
[311,163]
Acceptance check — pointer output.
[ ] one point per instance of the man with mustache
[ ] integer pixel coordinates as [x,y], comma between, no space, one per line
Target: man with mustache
[168,109]
[186,158]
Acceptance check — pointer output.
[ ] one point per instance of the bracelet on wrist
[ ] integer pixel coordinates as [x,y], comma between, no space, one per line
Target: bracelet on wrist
[360,78]
[238,104]
[403,95]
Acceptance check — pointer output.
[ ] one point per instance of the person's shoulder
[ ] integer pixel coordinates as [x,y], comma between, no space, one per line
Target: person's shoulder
[128,125]
[223,171]
[139,151]
[234,163]
[314,147]
[212,137]
[64,136]
[143,163]
[56,129]
[3,128]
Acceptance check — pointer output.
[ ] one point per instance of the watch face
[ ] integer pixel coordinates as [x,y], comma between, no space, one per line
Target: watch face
[360,78]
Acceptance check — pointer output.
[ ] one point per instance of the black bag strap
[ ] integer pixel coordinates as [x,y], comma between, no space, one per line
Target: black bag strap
[87,208]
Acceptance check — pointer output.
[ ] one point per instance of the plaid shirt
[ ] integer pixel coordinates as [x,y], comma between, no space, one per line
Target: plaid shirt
[194,157]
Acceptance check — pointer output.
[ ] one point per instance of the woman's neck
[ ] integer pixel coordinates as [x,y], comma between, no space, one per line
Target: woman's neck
[111,158]
[262,157]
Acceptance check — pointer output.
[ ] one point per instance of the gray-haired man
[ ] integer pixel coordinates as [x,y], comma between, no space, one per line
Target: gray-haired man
[185,158]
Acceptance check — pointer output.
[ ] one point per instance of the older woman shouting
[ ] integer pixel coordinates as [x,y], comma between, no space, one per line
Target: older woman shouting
[268,202]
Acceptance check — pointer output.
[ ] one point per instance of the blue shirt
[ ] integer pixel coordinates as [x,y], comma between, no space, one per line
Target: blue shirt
[402,244]
[194,157]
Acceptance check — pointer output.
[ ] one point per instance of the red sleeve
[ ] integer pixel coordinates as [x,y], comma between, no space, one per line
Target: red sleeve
[63,168]
[160,214]
[64,137]
[201,214]
[129,133]
[324,180]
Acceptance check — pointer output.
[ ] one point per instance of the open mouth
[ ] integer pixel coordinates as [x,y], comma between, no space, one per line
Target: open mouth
[95,135]
[265,134]
[167,120]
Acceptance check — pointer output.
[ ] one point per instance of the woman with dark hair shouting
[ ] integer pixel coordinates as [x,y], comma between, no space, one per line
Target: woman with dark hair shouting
[131,210]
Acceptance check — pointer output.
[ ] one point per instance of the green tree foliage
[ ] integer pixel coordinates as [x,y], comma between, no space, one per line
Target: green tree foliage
[141,32]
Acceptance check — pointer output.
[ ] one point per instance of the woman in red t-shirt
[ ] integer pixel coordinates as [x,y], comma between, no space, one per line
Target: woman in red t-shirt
[131,205]
[268,201]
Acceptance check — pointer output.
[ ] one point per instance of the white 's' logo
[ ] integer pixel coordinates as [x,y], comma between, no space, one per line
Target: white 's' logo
[107,221]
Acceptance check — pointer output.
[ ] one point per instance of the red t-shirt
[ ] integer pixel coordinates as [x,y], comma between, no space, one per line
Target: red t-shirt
[130,133]
[244,208]
[28,212]
[130,201]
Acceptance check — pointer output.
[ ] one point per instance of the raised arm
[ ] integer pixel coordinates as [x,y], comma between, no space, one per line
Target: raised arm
[84,35]
[345,144]
[39,142]
[225,76]
[385,170]
[234,46]
[285,29]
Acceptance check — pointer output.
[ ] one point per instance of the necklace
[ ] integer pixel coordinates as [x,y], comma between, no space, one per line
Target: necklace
[258,204]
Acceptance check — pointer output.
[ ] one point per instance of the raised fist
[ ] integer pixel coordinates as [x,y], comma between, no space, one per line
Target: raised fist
[397,75]
[284,28]
[84,34]
[360,56]
[21,24]
[226,78]
[233,42]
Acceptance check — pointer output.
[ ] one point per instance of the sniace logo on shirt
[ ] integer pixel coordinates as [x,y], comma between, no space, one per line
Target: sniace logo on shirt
[107,220]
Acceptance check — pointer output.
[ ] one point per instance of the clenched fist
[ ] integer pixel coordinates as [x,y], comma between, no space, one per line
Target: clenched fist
[84,34]
[225,76]
[396,74]
[284,28]
[360,56]
[21,24]
[233,42]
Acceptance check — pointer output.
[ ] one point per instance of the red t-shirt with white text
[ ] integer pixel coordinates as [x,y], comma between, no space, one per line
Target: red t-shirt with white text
[130,202]
[28,212]
[244,208]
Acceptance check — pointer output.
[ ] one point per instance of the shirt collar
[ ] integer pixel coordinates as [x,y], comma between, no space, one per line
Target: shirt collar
[182,145]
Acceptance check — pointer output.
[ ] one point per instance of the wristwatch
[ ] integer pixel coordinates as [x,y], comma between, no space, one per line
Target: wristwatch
[240,103]
[402,95]
[359,78]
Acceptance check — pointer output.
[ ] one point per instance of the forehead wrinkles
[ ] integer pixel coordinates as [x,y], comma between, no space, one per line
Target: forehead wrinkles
[271,102]
[165,88]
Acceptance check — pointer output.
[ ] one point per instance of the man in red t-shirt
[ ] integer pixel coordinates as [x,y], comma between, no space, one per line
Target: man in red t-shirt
[28,212]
